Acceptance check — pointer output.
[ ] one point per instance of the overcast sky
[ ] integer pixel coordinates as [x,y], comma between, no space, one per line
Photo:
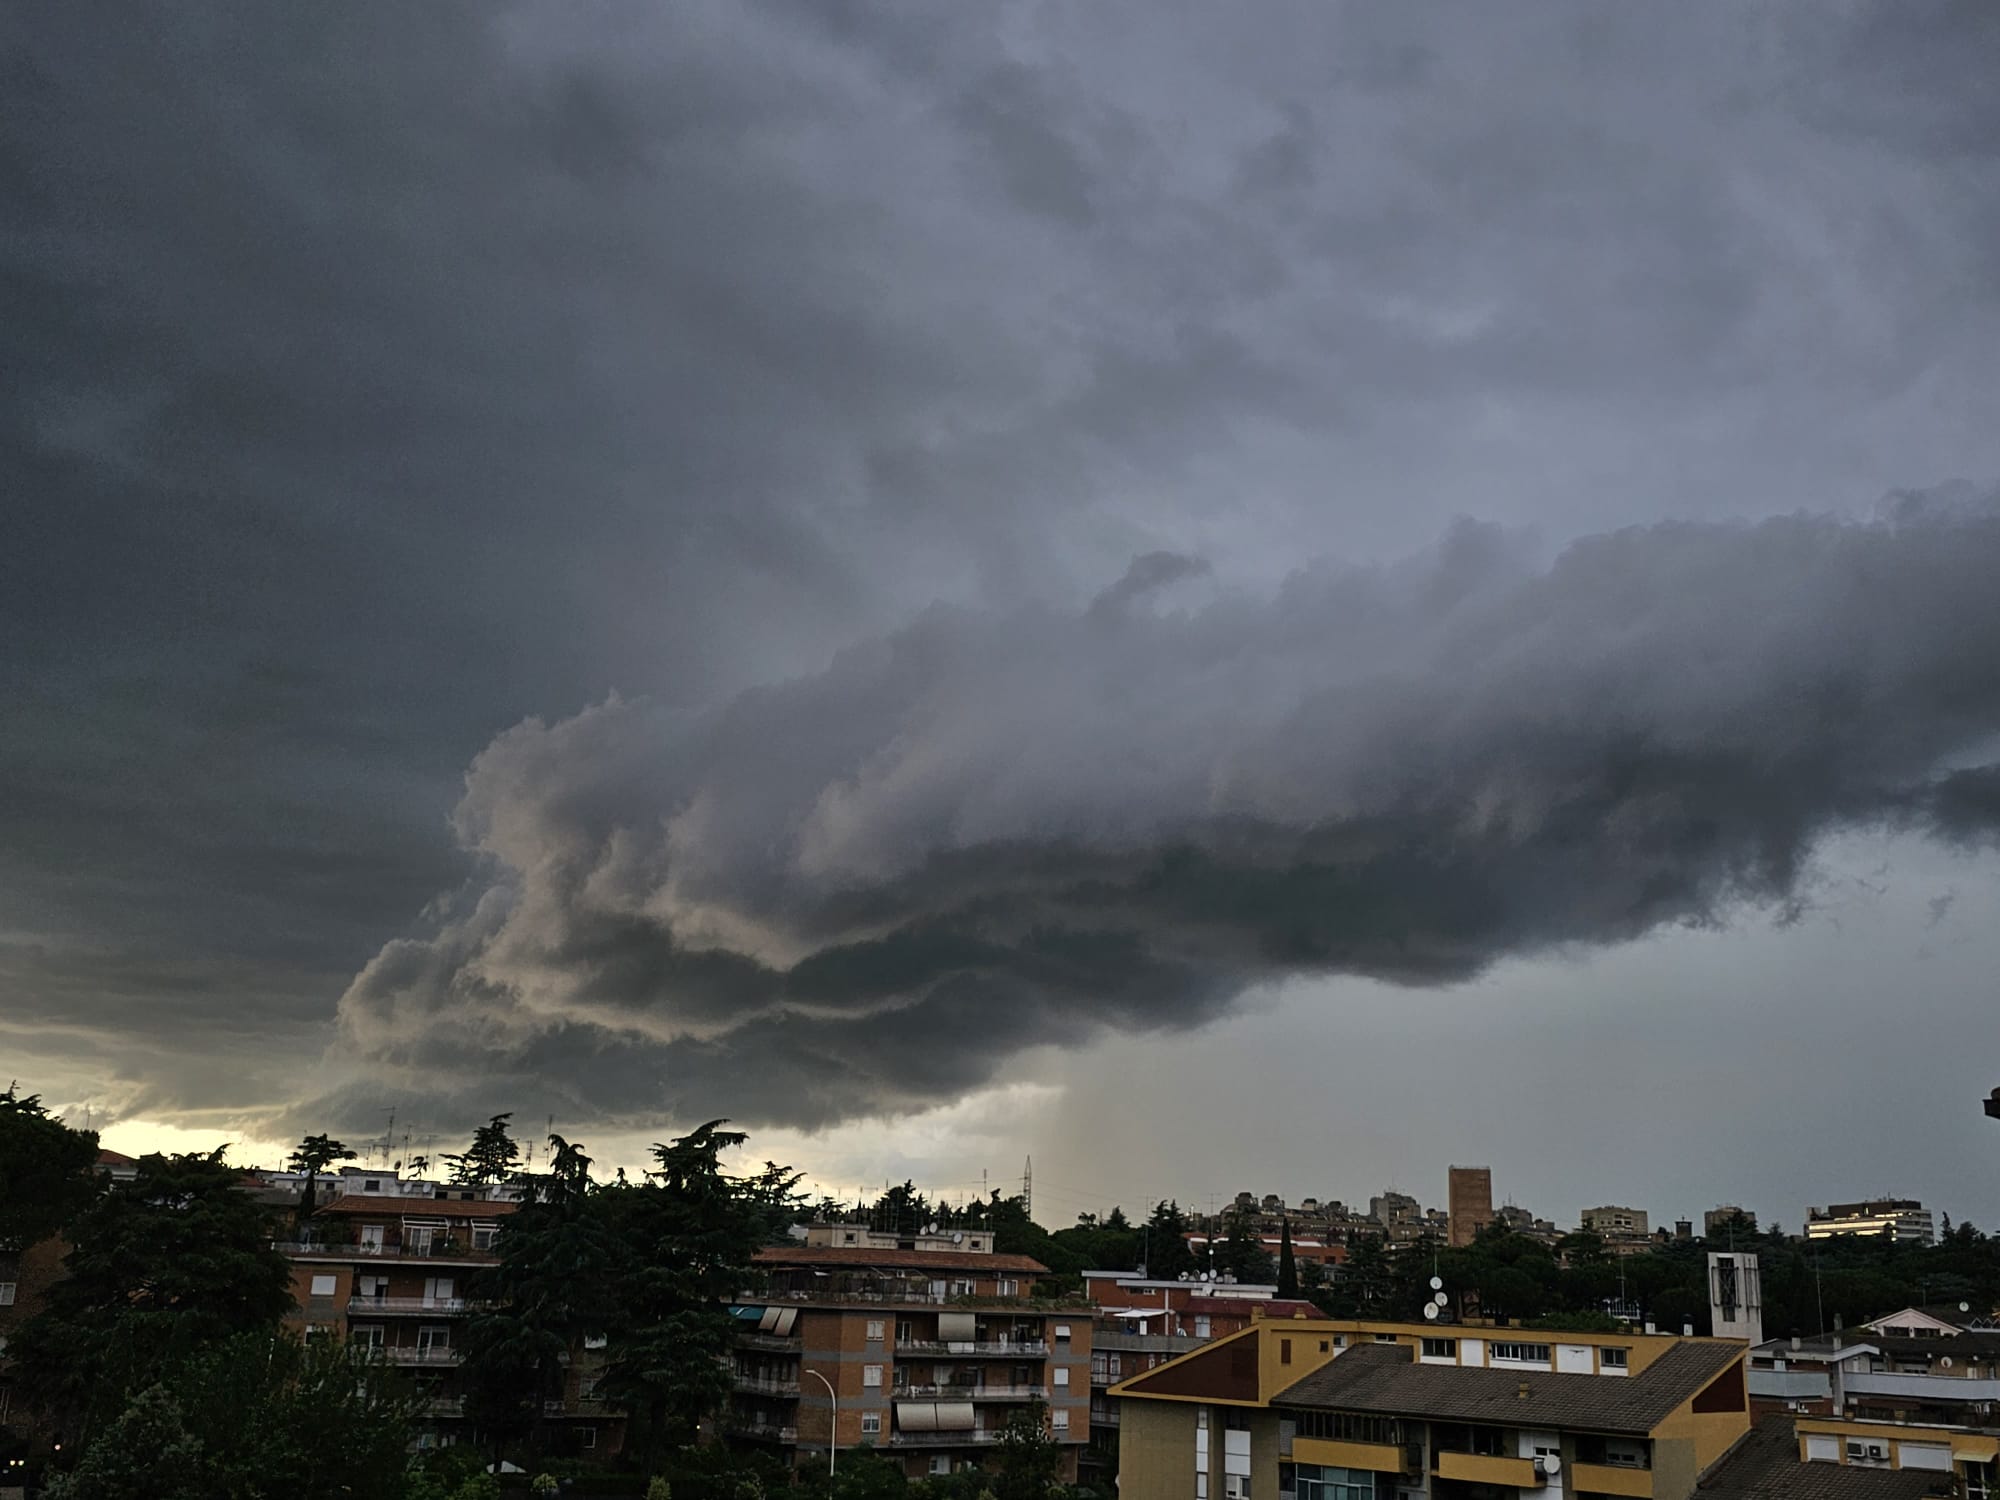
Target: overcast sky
[1261,598]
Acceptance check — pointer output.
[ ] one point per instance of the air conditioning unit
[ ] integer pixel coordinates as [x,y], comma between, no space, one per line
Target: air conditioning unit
[1878,1450]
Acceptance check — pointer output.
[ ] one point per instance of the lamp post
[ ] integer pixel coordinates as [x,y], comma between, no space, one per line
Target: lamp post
[832,1422]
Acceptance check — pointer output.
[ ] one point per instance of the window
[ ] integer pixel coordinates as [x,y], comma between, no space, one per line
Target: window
[1100,1368]
[1062,1333]
[1324,1482]
[371,1236]
[1062,1375]
[1325,1347]
[1441,1349]
[940,1463]
[905,1331]
[1200,1327]
[1237,1487]
[871,1377]
[7,1293]
[435,1338]
[322,1286]
[1385,1338]
[1201,1417]
[1010,1288]
[963,1288]
[871,1423]
[586,1437]
[850,1239]
[1521,1354]
[1200,1486]
[1614,1359]
[371,1184]
[1236,1419]
[1349,1427]
[367,1335]
[482,1236]
[1117,1363]
[875,1328]
[1059,1420]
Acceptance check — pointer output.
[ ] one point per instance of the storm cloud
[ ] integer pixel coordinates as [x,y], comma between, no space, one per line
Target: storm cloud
[866,890]
[884,448]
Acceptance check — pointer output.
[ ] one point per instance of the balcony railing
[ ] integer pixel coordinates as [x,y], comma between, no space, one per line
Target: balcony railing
[973,1392]
[397,1354]
[1025,1349]
[764,1432]
[366,1305]
[786,1344]
[445,1406]
[434,1250]
[964,1438]
[763,1386]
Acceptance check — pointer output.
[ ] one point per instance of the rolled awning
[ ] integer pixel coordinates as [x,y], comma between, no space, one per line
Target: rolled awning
[787,1316]
[957,1327]
[954,1416]
[916,1416]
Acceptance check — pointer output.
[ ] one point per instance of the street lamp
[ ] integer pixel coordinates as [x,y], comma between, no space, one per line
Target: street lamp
[832,1422]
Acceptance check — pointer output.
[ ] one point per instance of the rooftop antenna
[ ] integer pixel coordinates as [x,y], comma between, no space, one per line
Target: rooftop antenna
[1028,1189]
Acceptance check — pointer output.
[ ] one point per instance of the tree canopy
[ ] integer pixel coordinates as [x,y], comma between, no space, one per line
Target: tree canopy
[45,1170]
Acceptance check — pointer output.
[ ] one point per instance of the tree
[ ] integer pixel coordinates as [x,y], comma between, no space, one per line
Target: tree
[1029,1461]
[1288,1266]
[1168,1255]
[556,1283]
[45,1170]
[689,1232]
[1242,1254]
[260,1414]
[313,1156]
[492,1156]
[165,1266]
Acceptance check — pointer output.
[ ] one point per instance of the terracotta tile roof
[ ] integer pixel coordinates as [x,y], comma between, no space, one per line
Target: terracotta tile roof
[416,1208]
[1766,1466]
[1381,1378]
[859,1258]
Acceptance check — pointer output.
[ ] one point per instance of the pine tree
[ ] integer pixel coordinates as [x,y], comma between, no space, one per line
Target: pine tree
[1288,1266]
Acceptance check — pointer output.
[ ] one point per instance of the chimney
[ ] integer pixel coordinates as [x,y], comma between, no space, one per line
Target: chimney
[1796,1342]
[1522,1394]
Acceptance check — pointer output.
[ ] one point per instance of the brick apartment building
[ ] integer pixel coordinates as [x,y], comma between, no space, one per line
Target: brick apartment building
[919,1346]
[390,1272]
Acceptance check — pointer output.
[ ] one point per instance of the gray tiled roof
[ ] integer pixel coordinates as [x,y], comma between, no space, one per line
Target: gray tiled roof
[1381,1379]
[1766,1466]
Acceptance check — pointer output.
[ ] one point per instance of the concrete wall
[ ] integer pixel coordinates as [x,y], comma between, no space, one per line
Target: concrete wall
[1156,1451]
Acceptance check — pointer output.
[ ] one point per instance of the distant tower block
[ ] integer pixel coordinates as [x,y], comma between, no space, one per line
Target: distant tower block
[1735,1296]
[1470,1203]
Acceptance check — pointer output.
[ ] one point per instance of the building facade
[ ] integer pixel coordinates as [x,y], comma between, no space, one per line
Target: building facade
[1346,1410]
[921,1348]
[1469,1202]
[1904,1219]
[391,1274]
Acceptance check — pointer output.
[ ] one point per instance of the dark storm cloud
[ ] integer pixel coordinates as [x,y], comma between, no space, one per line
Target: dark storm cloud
[377,378]
[866,890]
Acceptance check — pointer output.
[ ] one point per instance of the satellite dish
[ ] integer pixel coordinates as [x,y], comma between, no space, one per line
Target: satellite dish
[1437,1283]
[1430,1310]
[1553,1463]
[1965,1307]
[1946,1361]
[957,1237]
[1439,1301]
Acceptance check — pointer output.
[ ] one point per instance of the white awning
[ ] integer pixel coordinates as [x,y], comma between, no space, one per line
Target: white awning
[957,1327]
[916,1416]
[954,1416]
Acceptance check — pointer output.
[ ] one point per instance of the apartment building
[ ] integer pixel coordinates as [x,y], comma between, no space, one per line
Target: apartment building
[1347,1410]
[1140,1323]
[919,1346]
[1718,1222]
[1469,1202]
[391,1273]
[1905,1219]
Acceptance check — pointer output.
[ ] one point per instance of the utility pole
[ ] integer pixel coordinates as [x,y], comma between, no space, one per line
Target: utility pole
[1028,1190]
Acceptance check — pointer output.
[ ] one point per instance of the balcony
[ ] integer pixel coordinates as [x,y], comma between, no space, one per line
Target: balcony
[1377,1458]
[1612,1479]
[775,1343]
[1474,1468]
[445,1406]
[399,1354]
[758,1385]
[363,1306]
[1003,1348]
[964,1437]
[972,1392]
[434,1252]
[1915,1388]
[763,1432]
